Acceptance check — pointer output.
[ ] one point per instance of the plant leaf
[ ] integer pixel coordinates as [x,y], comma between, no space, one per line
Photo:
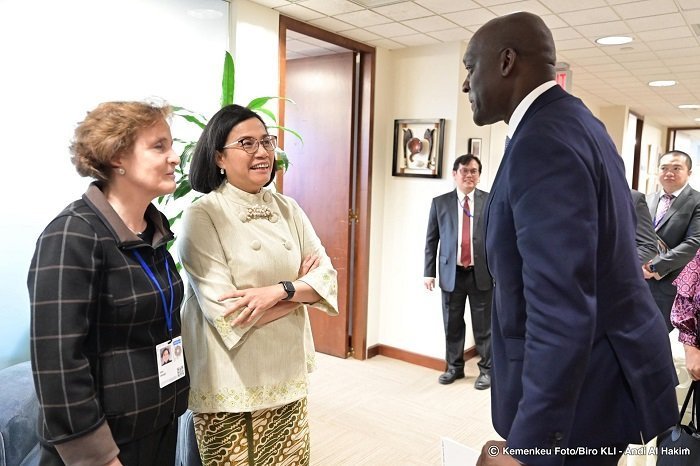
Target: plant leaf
[260,101]
[192,119]
[289,131]
[182,189]
[228,81]
[182,110]
[174,219]
[268,113]
[281,159]
[186,155]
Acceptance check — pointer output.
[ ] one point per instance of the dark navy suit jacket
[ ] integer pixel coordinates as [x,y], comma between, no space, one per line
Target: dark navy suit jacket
[581,353]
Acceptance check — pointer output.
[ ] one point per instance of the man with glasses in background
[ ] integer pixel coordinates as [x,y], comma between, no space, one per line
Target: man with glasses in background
[675,211]
[455,223]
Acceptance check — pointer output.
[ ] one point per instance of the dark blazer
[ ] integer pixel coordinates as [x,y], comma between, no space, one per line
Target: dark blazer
[679,229]
[96,321]
[581,356]
[645,235]
[443,228]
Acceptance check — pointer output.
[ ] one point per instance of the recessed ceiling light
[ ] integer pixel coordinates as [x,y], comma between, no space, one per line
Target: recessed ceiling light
[614,40]
[685,106]
[698,120]
[663,83]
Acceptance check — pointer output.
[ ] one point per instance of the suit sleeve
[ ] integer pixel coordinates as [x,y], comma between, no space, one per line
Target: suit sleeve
[432,238]
[677,257]
[63,288]
[557,239]
[202,255]
[645,234]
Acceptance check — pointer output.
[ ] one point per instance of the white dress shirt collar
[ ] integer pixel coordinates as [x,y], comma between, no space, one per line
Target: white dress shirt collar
[524,104]
[461,196]
[675,193]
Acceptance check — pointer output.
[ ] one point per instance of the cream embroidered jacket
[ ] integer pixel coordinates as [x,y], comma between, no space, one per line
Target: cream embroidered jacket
[232,239]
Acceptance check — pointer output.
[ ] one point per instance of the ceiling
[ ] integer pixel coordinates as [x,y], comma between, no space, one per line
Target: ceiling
[666,41]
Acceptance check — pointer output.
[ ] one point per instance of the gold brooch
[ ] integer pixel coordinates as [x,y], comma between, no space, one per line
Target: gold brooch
[258,211]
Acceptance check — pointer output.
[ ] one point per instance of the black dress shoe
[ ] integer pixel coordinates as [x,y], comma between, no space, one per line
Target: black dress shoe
[450,376]
[482,382]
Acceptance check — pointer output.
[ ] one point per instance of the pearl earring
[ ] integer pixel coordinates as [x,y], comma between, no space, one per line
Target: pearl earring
[222,171]
[121,171]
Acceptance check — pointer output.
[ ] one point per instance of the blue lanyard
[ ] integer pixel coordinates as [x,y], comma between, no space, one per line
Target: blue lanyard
[466,211]
[167,310]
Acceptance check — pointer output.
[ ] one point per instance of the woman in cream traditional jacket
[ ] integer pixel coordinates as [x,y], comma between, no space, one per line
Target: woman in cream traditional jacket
[249,355]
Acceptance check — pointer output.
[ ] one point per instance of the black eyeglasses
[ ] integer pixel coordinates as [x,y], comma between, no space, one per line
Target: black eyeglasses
[250,144]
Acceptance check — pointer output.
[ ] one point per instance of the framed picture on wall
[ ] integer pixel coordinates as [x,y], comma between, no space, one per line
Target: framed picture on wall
[475,147]
[418,148]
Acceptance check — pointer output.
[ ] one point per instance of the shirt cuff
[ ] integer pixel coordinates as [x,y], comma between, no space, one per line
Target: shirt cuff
[96,447]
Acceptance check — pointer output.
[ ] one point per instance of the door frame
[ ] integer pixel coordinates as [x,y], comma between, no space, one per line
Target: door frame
[363,189]
[671,134]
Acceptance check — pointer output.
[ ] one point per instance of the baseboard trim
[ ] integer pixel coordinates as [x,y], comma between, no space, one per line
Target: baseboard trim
[414,358]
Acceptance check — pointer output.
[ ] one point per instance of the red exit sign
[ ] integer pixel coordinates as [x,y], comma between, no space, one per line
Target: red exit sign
[563,78]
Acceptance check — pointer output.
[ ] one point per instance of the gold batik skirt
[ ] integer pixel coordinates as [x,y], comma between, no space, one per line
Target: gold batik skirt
[274,437]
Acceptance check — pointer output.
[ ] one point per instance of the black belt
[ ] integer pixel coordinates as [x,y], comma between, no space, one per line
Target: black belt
[465,269]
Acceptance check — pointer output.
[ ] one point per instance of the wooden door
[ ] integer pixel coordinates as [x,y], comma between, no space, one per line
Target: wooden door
[319,174]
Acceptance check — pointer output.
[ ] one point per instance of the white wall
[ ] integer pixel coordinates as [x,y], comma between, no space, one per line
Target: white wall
[59,60]
[410,317]
[615,120]
[419,82]
[629,141]
[381,170]
[400,312]
[255,50]
[688,142]
[652,145]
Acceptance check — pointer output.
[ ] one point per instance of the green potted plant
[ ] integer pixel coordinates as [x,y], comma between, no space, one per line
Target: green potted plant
[228,83]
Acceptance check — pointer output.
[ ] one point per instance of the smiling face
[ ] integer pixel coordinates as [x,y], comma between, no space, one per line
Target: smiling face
[248,172]
[150,165]
[467,176]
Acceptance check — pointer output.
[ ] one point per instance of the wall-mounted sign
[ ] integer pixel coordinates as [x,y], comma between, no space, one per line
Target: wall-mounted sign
[563,76]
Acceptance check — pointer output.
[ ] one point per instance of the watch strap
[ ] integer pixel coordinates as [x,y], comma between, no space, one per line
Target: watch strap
[289,288]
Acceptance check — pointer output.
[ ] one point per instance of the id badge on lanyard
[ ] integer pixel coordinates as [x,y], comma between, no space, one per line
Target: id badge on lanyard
[170,357]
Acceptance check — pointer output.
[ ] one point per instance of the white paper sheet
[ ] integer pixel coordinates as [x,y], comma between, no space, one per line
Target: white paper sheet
[456,454]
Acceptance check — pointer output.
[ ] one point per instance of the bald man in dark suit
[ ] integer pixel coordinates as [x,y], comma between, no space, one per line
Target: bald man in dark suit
[581,356]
